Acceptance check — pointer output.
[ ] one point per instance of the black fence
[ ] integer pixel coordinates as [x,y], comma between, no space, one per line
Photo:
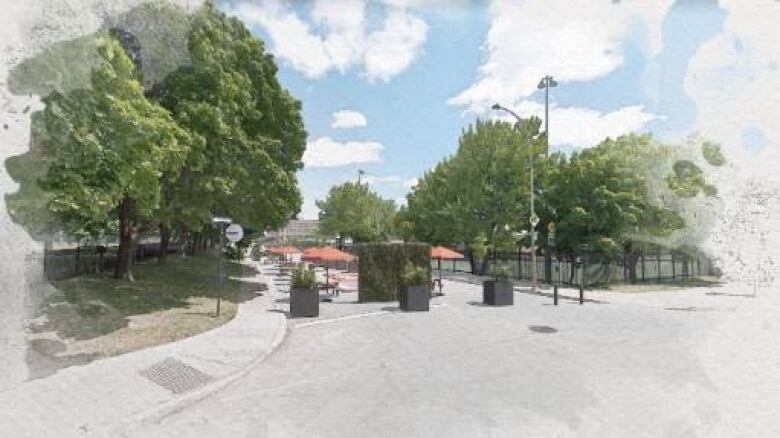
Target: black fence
[65,263]
[595,269]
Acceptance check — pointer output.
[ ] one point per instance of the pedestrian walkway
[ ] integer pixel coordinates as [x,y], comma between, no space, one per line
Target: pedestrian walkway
[98,398]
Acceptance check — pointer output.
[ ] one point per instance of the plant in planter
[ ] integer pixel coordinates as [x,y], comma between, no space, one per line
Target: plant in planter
[304,295]
[415,290]
[498,291]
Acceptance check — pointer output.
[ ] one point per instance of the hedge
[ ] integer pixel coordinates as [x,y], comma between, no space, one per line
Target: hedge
[381,267]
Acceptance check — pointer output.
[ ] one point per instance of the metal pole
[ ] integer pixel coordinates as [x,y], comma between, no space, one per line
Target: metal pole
[533,228]
[219,291]
[547,114]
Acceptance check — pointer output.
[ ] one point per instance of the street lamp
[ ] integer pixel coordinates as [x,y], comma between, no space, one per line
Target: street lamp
[546,83]
[361,172]
[533,219]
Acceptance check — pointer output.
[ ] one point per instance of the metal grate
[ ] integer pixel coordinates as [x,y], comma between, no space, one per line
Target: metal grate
[176,376]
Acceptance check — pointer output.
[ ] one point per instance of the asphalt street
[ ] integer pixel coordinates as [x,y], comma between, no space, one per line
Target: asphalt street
[631,365]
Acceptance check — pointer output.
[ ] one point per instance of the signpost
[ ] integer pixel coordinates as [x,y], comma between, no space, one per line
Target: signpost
[219,222]
[234,233]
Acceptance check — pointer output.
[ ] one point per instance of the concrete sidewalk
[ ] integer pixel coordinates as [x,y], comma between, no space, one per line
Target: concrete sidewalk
[96,399]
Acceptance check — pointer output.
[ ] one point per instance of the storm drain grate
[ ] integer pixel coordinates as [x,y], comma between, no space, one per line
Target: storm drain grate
[176,376]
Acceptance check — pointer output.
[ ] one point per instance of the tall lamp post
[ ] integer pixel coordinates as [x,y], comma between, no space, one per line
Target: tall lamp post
[546,83]
[361,172]
[533,219]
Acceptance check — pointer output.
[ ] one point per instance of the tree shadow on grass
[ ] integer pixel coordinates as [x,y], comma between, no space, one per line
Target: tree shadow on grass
[94,305]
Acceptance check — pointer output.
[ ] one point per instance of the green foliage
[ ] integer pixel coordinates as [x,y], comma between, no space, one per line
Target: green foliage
[354,210]
[483,187]
[500,272]
[479,248]
[601,196]
[106,144]
[234,252]
[415,275]
[302,277]
[248,129]
[712,154]
[382,267]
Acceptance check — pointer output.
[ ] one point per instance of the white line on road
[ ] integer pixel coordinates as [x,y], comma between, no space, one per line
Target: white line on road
[362,315]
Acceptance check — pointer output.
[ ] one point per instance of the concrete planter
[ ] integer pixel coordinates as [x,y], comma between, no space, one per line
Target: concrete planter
[414,298]
[304,303]
[498,293]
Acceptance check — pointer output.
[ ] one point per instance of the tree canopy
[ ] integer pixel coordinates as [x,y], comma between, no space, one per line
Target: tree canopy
[355,211]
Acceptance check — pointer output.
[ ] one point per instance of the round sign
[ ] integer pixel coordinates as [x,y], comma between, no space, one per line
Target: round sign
[534,219]
[234,233]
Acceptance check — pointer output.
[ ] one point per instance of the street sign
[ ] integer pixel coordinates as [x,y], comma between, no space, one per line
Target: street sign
[534,219]
[234,233]
[551,238]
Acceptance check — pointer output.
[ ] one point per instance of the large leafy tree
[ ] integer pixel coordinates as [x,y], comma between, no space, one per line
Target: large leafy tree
[108,147]
[249,129]
[355,211]
[481,190]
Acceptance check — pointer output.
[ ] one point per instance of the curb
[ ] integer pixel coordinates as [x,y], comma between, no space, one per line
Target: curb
[166,409]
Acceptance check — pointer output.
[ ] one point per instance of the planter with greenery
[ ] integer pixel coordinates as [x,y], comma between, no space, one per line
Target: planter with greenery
[499,290]
[304,295]
[415,289]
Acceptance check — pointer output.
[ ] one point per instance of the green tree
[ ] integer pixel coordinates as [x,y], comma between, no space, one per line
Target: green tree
[108,147]
[250,131]
[480,190]
[355,211]
[602,202]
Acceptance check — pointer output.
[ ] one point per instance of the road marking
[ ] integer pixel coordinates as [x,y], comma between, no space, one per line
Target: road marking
[362,315]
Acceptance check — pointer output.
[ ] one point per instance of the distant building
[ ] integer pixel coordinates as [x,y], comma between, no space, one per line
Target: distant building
[296,230]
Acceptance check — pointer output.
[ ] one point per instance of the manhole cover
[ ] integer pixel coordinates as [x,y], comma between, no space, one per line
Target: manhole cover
[176,376]
[542,329]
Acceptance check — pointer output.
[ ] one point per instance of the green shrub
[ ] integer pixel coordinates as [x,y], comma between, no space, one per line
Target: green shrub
[500,272]
[302,277]
[415,275]
[381,268]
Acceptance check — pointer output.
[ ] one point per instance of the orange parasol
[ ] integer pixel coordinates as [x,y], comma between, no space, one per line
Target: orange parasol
[439,253]
[282,250]
[326,254]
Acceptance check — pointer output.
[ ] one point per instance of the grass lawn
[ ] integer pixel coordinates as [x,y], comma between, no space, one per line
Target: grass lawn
[96,316]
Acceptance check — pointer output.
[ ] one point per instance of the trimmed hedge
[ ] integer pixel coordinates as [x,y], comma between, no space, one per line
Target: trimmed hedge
[381,268]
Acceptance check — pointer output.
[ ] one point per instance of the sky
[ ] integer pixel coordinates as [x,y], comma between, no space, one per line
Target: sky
[388,86]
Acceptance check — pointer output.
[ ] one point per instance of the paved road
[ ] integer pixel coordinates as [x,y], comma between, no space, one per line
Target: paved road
[631,367]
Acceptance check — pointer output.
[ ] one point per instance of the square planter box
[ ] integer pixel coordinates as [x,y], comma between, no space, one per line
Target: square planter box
[498,293]
[414,298]
[304,303]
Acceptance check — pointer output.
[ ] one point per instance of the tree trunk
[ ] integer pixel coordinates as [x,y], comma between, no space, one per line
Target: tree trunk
[472,262]
[165,240]
[127,239]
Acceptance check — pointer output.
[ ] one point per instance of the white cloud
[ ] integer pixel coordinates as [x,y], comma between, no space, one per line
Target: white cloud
[392,49]
[583,127]
[326,152]
[338,37]
[348,119]
[530,39]
[393,180]
[734,78]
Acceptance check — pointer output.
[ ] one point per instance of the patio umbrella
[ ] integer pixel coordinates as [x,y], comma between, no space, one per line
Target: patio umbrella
[326,254]
[439,253]
[283,251]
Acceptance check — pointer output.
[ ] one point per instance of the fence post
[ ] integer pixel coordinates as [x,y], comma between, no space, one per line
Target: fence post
[658,263]
[643,266]
[674,273]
